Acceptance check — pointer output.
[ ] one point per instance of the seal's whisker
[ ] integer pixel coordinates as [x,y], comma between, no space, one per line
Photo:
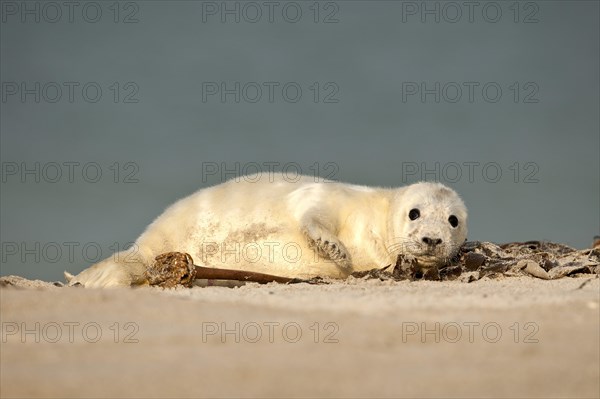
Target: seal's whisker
[402,245]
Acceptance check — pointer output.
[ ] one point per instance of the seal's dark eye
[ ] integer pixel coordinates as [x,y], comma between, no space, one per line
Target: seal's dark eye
[414,214]
[453,221]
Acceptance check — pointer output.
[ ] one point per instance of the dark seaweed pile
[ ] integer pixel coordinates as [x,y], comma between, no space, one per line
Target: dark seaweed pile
[475,260]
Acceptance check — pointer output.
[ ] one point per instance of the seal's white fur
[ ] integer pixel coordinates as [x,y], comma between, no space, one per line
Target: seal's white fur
[296,229]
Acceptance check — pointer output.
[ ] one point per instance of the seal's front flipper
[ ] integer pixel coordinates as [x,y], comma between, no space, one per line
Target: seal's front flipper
[327,244]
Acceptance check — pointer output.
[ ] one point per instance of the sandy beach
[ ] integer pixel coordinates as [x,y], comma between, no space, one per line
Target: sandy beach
[505,337]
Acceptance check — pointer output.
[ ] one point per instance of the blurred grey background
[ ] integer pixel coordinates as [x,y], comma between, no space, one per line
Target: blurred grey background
[368,92]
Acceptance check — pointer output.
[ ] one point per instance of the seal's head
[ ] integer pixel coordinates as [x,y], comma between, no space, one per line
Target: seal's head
[429,223]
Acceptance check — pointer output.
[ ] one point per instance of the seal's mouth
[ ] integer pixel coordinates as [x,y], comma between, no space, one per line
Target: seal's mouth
[428,259]
[427,256]
[412,268]
[434,257]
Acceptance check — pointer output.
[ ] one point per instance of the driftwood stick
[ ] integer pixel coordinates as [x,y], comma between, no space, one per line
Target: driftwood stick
[239,275]
[177,268]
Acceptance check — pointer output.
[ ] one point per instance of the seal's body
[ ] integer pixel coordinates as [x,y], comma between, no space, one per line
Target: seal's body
[299,228]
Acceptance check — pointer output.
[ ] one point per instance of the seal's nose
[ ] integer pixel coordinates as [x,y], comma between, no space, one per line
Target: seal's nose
[432,242]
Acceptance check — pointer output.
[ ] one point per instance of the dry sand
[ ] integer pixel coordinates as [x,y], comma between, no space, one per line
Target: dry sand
[519,337]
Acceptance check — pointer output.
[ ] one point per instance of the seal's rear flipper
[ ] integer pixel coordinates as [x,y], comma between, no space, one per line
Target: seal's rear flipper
[68,276]
[119,270]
